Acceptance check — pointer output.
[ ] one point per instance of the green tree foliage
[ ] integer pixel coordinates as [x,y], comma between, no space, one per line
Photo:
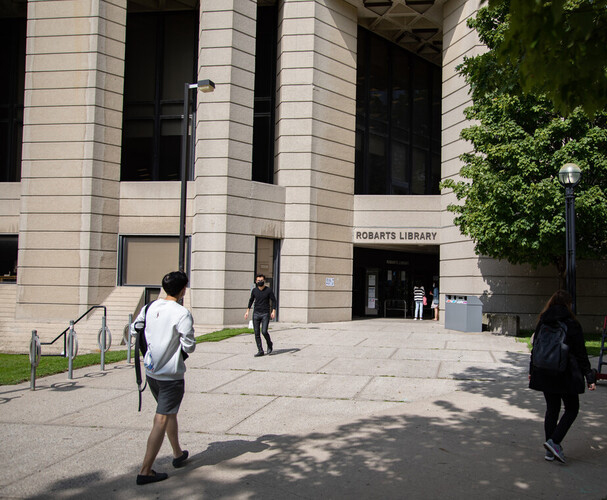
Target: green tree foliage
[559,48]
[513,204]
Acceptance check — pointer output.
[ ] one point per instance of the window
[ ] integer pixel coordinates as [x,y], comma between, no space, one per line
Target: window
[398,113]
[265,94]
[8,258]
[144,260]
[12,84]
[267,262]
[161,56]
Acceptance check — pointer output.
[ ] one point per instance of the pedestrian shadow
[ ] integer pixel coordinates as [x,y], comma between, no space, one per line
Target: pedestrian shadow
[276,352]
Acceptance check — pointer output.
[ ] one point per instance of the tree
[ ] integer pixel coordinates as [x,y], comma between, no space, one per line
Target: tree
[559,48]
[513,204]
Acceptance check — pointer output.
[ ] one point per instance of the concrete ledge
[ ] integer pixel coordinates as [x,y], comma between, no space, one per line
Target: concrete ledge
[503,324]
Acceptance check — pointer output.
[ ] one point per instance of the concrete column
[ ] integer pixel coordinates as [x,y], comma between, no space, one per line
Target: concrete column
[223,246]
[71,156]
[503,288]
[315,147]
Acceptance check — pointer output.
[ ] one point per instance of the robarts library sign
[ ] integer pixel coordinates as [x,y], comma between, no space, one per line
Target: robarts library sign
[376,235]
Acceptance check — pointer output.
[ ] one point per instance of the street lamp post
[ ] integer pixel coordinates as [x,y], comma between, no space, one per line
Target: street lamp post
[569,177]
[204,86]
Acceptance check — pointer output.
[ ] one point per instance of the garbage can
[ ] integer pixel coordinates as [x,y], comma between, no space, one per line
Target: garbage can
[463,313]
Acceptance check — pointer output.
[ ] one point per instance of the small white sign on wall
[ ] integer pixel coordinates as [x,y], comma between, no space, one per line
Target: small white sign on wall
[329,281]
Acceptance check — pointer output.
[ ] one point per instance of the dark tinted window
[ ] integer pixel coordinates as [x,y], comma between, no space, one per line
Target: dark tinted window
[161,56]
[398,115]
[12,62]
[265,94]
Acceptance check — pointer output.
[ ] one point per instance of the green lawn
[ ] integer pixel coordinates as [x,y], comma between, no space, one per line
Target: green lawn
[593,341]
[15,368]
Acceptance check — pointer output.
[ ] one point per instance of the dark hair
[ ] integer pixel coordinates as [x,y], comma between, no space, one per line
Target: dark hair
[559,298]
[260,276]
[174,282]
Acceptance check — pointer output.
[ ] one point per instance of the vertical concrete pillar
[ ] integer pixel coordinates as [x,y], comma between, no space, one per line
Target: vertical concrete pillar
[71,156]
[316,118]
[223,248]
[459,41]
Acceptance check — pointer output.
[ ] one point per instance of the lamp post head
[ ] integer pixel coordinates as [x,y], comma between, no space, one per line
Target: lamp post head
[569,175]
[206,85]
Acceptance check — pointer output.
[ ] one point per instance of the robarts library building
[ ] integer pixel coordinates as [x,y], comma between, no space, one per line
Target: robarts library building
[316,160]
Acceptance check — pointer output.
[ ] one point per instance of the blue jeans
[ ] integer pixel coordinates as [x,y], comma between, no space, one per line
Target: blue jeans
[419,309]
[261,321]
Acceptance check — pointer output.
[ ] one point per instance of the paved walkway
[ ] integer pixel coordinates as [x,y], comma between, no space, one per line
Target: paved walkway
[364,409]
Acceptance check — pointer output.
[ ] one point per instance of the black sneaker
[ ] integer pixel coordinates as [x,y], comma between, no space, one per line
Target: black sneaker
[154,478]
[180,461]
[260,353]
[270,348]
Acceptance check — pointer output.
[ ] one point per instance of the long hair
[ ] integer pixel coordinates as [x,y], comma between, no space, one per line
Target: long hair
[559,298]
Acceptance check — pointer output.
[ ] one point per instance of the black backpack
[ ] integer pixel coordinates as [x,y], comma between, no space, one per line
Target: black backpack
[550,353]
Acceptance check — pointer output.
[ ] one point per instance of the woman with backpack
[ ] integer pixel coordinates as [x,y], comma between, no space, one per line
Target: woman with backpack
[563,383]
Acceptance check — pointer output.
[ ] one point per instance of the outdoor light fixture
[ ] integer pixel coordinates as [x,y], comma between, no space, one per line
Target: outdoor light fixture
[569,177]
[569,174]
[205,86]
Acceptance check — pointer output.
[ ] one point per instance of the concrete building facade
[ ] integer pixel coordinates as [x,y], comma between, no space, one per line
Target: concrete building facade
[88,212]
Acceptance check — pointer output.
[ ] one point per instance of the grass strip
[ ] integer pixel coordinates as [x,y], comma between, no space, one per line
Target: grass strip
[15,368]
[593,341]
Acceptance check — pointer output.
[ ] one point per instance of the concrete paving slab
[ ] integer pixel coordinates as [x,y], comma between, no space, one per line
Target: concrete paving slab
[490,344]
[280,361]
[297,385]
[480,371]
[295,415]
[205,358]
[405,389]
[59,442]
[383,367]
[316,351]
[55,402]
[315,337]
[204,380]
[444,355]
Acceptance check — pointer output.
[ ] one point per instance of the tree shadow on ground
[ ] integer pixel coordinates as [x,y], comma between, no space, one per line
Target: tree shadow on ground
[482,441]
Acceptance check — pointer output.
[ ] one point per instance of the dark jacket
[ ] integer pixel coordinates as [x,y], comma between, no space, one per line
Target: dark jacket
[262,299]
[571,381]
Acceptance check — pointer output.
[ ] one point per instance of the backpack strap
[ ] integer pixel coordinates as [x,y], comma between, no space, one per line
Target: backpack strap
[141,345]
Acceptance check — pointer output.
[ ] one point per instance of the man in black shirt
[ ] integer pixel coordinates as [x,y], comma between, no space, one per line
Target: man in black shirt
[261,295]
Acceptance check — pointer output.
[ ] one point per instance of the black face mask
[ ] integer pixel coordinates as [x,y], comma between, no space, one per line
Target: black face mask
[260,283]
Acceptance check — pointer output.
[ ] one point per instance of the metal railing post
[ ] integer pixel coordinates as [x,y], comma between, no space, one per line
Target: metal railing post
[130,338]
[103,341]
[70,350]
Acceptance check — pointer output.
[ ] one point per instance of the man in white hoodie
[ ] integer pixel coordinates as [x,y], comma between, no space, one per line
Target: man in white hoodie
[169,333]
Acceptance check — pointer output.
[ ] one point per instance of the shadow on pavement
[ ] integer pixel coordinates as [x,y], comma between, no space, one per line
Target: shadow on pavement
[483,441]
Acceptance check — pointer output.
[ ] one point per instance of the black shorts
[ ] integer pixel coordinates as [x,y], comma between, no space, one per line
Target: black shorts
[167,393]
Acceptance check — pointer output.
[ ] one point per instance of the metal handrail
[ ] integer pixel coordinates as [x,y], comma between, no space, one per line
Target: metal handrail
[64,332]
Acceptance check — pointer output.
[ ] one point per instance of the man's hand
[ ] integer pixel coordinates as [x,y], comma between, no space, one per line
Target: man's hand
[273,313]
[591,387]
[246,315]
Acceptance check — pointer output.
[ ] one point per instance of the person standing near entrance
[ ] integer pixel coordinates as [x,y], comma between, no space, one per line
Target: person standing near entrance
[435,297]
[169,333]
[262,296]
[419,293]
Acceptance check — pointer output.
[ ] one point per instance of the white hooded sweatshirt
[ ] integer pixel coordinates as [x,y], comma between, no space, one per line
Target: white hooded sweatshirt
[169,329]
